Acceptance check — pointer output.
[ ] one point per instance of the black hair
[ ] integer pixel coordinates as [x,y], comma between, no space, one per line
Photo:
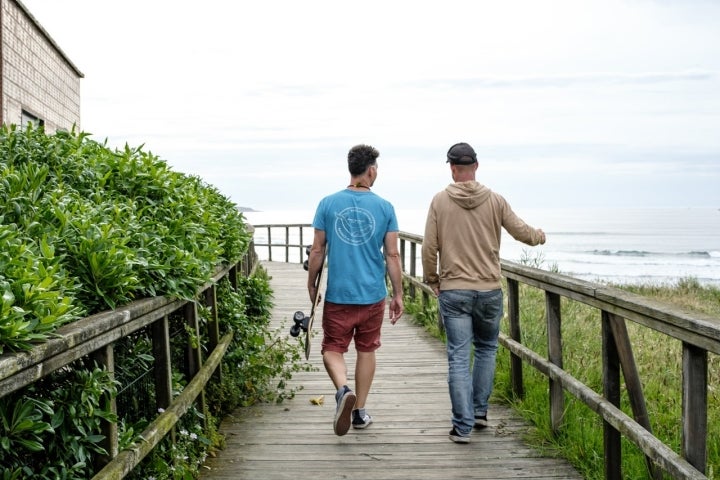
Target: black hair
[360,157]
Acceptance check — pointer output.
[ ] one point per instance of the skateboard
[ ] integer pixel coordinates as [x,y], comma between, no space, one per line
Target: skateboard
[303,322]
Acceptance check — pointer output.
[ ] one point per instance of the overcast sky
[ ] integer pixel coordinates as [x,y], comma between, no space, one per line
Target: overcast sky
[568,103]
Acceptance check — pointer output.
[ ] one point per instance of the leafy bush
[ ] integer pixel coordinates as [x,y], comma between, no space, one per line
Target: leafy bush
[88,228]
[35,293]
[84,229]
[50,429]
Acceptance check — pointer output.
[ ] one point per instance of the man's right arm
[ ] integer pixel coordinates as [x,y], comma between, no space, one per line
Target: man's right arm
[520,230]
[315,261]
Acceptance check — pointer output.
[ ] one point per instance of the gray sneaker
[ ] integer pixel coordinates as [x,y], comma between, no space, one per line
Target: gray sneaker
[343,412]
[360,422]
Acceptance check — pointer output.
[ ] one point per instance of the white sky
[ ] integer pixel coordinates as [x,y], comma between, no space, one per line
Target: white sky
[567,102]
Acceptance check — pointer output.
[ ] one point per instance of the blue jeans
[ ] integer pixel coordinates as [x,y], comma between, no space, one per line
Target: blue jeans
[471,318]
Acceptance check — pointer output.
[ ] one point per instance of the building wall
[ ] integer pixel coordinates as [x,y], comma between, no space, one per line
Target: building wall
[37,78]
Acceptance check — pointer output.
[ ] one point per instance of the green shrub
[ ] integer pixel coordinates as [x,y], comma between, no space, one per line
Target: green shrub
[50,430]
[36,294]
[83,229]
[88,229]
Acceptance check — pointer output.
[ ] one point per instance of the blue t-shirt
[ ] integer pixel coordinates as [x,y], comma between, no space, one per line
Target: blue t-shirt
[355,224]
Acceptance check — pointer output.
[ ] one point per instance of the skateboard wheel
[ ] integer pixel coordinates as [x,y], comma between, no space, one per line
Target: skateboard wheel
[305,265]
[295,330]
[298,317]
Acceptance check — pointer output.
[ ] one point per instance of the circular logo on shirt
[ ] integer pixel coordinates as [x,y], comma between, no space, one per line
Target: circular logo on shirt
[354,225]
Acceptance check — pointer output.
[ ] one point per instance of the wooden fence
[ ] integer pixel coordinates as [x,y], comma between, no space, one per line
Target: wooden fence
[698,334]
[94,336]
[283,243]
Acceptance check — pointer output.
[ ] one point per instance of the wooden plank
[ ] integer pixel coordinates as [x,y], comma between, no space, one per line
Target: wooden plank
[694,406]
[78,343]
[516,368]
[633,383]
[554,339]
[410,406]
[612,440]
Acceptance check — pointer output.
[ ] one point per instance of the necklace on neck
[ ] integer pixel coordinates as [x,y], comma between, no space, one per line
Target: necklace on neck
[358,185]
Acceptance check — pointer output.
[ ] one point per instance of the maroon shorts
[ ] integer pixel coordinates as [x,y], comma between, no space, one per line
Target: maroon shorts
[342,323]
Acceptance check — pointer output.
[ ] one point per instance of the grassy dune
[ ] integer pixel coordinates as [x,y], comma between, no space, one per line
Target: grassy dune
[659,361]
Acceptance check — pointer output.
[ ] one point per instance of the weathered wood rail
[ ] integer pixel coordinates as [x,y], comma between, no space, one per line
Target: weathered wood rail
[94,336]
[698,334]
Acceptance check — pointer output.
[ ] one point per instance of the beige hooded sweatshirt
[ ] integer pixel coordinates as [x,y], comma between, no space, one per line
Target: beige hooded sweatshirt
[463,229]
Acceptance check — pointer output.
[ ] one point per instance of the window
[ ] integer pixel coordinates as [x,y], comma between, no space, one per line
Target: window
[28,118]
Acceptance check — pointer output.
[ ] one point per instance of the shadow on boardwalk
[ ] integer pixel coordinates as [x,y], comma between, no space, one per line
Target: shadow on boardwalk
[410,406]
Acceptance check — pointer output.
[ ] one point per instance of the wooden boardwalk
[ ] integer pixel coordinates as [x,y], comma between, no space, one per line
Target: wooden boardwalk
[410,406]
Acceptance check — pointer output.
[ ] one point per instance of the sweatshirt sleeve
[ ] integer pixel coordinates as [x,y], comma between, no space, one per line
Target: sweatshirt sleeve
[430,249]
[517,228]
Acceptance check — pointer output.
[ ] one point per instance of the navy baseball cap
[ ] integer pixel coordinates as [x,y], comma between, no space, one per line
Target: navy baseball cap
[461,154]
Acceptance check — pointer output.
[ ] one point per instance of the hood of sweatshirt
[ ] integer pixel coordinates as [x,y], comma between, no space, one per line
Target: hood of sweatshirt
[468,194]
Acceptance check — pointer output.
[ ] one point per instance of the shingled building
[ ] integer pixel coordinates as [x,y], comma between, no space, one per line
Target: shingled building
[40,84]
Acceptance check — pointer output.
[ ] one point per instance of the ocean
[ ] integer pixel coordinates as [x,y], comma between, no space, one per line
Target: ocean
[617,245]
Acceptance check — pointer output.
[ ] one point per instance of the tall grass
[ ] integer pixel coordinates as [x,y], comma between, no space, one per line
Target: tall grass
[659,362]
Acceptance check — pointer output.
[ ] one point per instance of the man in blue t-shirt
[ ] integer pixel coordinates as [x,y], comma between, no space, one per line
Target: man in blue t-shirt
[358,231]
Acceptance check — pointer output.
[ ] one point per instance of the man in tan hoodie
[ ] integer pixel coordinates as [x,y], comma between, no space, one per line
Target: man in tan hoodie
[462,231]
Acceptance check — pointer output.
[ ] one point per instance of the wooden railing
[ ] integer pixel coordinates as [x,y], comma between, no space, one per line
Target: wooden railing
[94,336]
[699,335]
[285,240]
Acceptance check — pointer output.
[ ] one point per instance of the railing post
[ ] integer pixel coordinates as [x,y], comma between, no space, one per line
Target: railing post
[269,230]
[557,395]
[413,269]
[694,406]
[194,351]
[106,357]
[632,379]
[213,325]
[611,391]
[287,244]
[233,273]
[302,250]
[163,365]
[248,265]
[516,368]
[402,254]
